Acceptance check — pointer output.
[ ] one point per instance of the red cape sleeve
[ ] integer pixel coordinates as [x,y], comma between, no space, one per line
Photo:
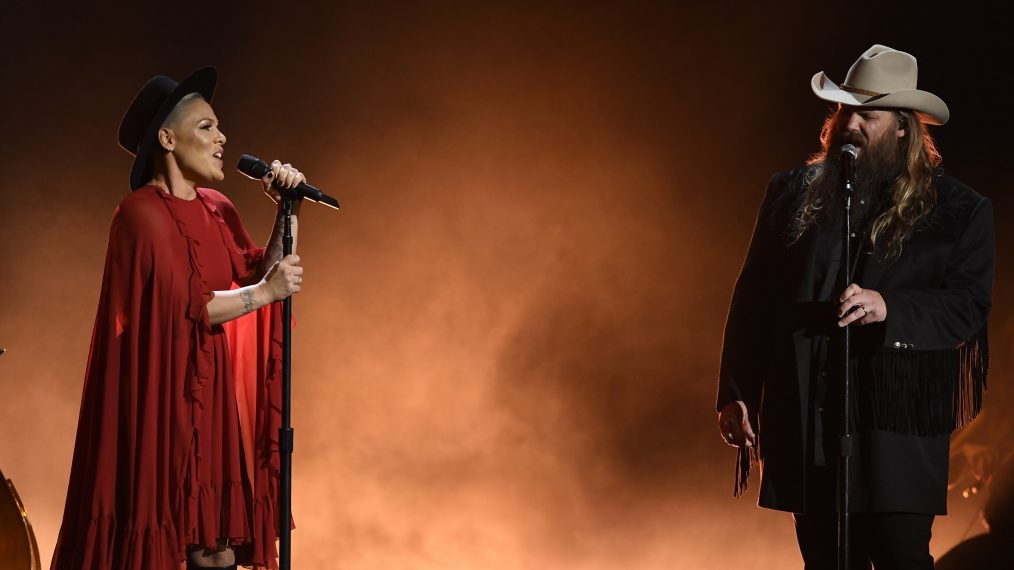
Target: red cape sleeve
[136,407]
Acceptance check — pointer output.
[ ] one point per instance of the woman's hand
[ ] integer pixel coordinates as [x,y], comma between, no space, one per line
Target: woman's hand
[869,306]
[734,421]
[282,176]
[284,279]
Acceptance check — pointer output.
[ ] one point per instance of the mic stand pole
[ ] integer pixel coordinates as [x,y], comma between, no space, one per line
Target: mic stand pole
[845,449]
[285,432]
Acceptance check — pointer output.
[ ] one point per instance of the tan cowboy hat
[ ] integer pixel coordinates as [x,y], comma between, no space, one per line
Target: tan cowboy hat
[883,77]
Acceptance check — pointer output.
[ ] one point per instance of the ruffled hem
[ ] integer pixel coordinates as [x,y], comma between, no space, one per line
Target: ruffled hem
[107,545]
[265,522]
[218,512]
[215,511]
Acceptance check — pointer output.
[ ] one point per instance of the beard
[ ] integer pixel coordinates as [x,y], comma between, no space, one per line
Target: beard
[879,165]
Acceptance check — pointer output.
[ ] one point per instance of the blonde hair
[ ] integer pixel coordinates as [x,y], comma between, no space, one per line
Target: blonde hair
[914,194]
[176,115]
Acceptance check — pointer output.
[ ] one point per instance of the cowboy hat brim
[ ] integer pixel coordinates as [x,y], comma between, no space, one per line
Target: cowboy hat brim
[202,81]
[932,108]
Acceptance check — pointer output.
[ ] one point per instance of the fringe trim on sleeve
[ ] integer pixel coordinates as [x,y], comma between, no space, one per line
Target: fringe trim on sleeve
[746,458]
[924,393]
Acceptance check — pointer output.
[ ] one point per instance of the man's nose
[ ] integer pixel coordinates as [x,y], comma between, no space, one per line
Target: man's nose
[852,122]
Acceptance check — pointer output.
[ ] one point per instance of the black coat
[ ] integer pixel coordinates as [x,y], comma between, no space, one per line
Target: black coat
[917,376]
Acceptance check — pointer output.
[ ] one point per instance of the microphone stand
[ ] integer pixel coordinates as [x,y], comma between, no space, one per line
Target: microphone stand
[256,168]
[285,432]
[845,448]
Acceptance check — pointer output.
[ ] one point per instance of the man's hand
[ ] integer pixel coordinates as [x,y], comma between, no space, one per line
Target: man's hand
[866,306]
[734,421]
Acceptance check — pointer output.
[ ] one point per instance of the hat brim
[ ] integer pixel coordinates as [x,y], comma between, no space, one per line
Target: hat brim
[932,108]
[202,81]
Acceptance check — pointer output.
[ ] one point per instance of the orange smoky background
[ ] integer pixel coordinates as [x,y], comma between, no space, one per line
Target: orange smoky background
[507,347]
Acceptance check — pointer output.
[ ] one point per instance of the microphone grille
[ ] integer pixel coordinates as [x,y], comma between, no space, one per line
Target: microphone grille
[252,166]
[849,149]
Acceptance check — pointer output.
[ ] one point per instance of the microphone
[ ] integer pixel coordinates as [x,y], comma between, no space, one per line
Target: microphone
[848,162]
[257,168]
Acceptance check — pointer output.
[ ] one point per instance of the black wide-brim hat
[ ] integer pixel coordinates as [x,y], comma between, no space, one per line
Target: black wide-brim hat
[152,104]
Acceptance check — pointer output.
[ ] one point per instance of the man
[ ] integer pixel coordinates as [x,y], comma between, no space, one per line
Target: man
[916,307]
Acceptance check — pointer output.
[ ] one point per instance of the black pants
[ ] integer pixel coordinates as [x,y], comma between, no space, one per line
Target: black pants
[890,541]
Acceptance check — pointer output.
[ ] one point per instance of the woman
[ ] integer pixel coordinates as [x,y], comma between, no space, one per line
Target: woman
[176,451]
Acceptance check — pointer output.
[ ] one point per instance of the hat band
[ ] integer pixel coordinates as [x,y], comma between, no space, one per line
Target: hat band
[850,89]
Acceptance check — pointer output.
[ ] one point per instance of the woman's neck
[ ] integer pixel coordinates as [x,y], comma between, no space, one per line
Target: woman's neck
[172,181]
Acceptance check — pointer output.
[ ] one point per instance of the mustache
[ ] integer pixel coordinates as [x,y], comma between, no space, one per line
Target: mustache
[850,137]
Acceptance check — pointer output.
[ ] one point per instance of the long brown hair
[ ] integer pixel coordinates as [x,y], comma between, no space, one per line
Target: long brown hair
[912,195]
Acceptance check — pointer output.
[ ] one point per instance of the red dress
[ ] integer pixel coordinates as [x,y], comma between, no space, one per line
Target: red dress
[177,437]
